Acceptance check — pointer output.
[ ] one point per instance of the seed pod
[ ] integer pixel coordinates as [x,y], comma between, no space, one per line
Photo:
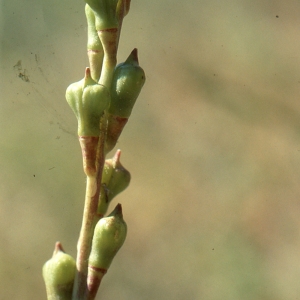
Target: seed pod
[88,100]
[109,236]
[115,179]
[59,274]
[127,83]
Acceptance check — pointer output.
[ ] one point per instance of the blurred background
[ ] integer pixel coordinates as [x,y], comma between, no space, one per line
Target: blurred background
[213,146]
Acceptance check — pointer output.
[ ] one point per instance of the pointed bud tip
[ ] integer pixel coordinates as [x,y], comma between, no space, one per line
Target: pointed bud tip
[87,73]
[117,212]
[58,248]
[133,57]
[116,158]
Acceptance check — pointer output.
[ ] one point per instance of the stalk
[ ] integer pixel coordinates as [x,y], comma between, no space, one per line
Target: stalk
[94,47]
[109,39]
[102,102]
[89,220]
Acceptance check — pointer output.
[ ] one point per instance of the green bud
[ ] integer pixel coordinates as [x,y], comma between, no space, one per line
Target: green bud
[109,236]
[115,179]
[105,13]
[88,100]
[59,273]
[127,82]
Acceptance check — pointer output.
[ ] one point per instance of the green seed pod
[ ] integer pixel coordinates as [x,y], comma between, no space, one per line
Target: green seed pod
[88,100]
[115,179]
[59,274]
[109,236]
[105,13]
[128,80]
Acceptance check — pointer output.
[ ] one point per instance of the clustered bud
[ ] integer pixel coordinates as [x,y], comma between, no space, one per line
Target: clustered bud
[102,103]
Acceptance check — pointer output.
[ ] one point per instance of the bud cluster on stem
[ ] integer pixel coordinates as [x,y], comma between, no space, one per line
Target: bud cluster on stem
[102,103]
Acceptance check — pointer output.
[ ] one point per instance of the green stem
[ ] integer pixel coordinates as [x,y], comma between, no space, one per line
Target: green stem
[89,220]
[85,238]
[94,46]
[109,39]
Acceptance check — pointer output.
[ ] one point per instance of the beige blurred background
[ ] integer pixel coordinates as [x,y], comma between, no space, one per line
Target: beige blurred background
[213,147]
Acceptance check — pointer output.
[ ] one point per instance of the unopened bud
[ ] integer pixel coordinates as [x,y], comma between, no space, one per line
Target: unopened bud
[109,236]
[115,179]
[59,274]
[88,100]
[128,80]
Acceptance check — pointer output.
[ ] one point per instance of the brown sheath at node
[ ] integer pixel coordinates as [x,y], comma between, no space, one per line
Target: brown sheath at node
[89,145]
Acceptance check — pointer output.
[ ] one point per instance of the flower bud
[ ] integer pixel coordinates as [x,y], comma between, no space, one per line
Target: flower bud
[109,236]
[115,179]
[88,100]
[128,80]
[59,274]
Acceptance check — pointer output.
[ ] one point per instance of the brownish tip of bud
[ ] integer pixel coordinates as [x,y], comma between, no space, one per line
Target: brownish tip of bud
[134,56]
[117,211]
[87,73]
[117,156]
[58,248]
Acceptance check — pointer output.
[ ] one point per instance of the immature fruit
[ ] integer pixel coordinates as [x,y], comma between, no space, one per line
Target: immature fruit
[59,274]
[88,101]
[109,236]
[128,80]
[115,179]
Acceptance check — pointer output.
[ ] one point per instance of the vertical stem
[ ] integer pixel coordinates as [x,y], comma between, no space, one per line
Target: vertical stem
[85,238]
[89,220]
[109,40]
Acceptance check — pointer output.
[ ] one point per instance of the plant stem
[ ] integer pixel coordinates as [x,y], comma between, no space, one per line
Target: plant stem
[89,220]
[109,39]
